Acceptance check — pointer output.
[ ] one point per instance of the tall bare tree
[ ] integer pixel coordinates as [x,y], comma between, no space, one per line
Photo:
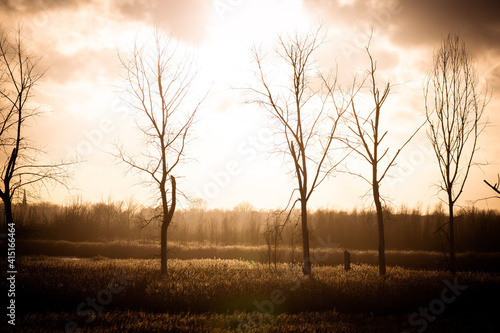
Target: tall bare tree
[454,108]
[158,81]
[306,122]
[366,140]
[19,157]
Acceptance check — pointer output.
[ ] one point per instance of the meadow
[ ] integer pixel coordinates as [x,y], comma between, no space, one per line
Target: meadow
[238,295]
[95,268]
[150,249]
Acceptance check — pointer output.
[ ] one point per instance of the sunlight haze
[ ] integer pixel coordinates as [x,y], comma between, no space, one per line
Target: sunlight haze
[81,41]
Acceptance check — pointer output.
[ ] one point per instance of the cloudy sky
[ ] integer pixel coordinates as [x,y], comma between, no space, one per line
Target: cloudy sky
[80,40]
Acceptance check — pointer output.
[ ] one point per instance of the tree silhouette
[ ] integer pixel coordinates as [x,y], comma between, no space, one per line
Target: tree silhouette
[454,109]
[306,123]
[158,82]
[367,137]
[20,157]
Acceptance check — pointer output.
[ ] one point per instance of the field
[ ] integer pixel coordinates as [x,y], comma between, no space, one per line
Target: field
[91,268]
[430,260]
[130,295]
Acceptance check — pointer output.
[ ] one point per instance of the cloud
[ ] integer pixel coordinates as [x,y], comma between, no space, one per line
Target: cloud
[185,19]
[78,40]
[87,65]
[24,7]
[427,21]
[419,23]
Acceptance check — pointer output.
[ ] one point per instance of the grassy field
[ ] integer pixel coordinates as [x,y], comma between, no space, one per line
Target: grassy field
[130,295]
[468,261]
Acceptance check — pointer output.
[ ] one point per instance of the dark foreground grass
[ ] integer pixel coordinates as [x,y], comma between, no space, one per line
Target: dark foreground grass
[211,295]
[327,321]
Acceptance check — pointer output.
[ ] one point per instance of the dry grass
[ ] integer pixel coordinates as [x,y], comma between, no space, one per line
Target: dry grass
[150,250]
[222,295]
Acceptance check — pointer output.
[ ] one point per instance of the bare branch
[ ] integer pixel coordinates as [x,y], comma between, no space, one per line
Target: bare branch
[454,108]
[19,156]
[367,144]
[159,81]
[494,187]
[309,122]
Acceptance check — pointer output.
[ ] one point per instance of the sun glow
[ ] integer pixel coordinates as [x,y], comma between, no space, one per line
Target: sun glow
[83,79]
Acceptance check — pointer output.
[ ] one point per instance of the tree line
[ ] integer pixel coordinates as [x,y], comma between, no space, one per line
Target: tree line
[406,229]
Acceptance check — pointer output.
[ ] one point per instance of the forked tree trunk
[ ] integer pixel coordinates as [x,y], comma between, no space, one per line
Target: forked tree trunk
[168,214]
[6,195]
[8,211]
[305,239]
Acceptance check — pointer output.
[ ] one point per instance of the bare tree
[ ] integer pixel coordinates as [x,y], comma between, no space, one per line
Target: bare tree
[272,236]
[20,158]
[454,108]
[303,117]
[366,141]
[158,82]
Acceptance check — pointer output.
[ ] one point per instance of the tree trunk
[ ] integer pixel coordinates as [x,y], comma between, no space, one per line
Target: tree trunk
[164,228]
[347,261]
[381,237]
[6,194]
[305,239]
[168,214]
[453,268]
[8,211]
[275,248]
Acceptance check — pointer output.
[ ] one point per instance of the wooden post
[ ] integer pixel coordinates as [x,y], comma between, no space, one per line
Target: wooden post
[347,261]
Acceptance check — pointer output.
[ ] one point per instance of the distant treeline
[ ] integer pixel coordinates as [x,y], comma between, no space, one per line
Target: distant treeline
[405,229]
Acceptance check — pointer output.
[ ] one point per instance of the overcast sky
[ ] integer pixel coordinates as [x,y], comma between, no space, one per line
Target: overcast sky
[80,42]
